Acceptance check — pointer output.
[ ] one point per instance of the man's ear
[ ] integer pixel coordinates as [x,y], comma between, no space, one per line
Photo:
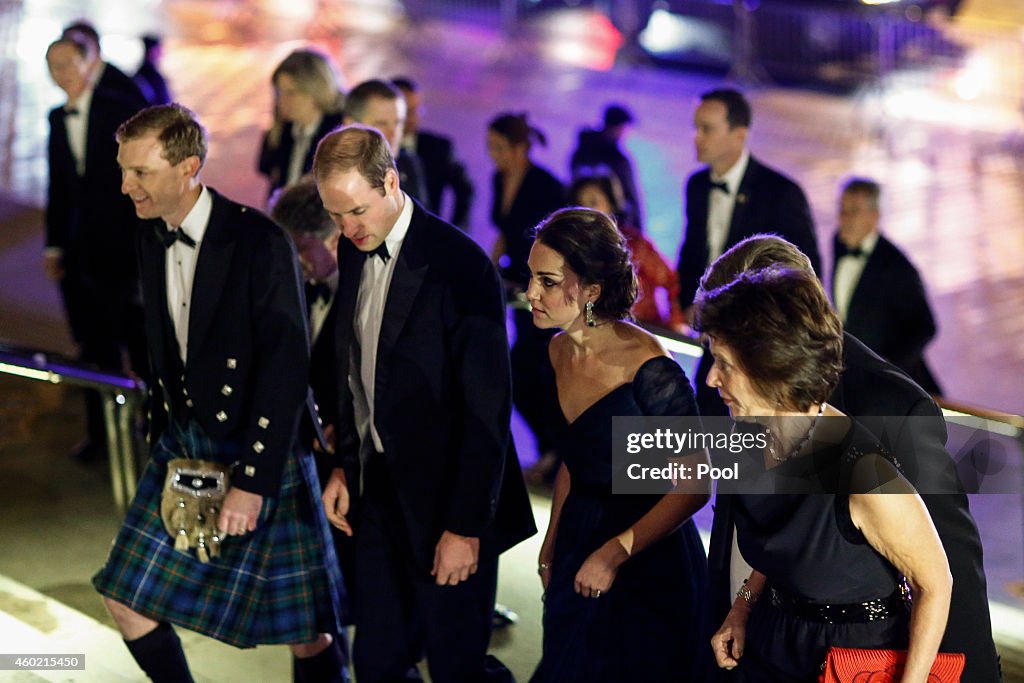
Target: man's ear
[192,165]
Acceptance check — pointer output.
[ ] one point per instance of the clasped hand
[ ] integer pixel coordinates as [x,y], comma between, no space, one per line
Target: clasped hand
[598,572]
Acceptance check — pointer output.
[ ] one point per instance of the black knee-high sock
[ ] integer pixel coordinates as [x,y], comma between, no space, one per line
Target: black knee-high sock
[328,666]
[159,655]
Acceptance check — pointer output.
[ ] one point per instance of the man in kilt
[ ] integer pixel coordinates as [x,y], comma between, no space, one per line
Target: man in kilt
[227,340]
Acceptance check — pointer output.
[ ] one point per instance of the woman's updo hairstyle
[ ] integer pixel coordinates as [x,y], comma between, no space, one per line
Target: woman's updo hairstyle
[517,129]
[595,250]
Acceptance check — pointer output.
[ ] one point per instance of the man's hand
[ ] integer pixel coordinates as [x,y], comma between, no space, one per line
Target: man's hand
[239,513]
[53,266]
[336,501]
[455,558]
[728,641]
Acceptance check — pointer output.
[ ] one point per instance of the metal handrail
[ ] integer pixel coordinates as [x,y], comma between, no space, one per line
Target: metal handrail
[121,396]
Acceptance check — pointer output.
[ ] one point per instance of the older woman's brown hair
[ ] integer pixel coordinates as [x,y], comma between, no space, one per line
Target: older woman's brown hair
[782,332]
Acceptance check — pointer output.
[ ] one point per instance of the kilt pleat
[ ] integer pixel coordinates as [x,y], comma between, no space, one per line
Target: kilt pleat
[279,584]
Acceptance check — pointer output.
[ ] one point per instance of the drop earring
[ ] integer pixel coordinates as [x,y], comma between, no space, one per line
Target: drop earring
[588,314]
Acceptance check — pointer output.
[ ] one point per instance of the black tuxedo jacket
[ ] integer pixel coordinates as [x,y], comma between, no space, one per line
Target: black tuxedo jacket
[274,161]
[870,388]
[442,390]
[442,170]
[245,377]
[889,311]
[115,80]
[87,216]
[766,201]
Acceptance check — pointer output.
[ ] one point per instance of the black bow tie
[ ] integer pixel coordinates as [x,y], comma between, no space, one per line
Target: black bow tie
[320,291]
[169,237]
[381,251]
[843,250]
[723,186]
[71,111]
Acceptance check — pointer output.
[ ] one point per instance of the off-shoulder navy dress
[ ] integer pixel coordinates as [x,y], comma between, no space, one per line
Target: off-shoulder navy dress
[647,627]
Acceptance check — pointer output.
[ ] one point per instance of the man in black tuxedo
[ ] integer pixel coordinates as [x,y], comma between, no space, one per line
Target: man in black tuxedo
[910,425]
[441,170]
[734,197]
[423,450]
[876,290]
[89,225]
[104,74]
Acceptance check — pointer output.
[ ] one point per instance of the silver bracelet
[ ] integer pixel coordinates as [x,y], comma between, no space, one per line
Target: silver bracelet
[749,596]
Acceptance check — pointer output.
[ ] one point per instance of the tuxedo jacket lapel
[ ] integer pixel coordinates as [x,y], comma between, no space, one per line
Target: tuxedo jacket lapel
[350,269]
[740,204]
[211,275]
[406,281]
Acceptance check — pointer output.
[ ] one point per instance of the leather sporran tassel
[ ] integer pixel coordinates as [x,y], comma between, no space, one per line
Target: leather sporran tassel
[193,493]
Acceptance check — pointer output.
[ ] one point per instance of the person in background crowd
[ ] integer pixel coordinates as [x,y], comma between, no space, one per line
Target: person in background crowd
[380,105]
[523,194]
[308,98]
[657,301]
[148,78]
[876,290]
[599,152]
[624,576]
[102,74]
[442,170]
[89,227]
[297,208]
[828,567]
[229,350]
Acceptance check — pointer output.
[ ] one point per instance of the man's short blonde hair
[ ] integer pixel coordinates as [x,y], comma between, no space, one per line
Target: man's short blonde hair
[354,147]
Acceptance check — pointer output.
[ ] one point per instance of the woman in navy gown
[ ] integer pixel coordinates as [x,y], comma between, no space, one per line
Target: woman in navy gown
[824,518]
[624,575]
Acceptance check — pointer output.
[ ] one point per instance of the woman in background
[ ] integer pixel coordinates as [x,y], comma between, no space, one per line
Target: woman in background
[524,193]
[657,301]
[308,100]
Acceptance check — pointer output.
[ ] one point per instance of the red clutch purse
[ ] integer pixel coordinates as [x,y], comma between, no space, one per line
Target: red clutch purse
[853,665]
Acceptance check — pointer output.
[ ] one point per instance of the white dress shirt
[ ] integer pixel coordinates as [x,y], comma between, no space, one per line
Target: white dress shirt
[849,268]
[77,126]
[721,204]
[181,268]
[374,284]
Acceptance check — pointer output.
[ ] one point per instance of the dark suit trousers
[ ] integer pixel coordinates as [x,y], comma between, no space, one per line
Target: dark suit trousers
[400,612]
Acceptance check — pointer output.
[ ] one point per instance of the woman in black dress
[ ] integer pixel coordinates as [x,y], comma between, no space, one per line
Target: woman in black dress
[624,575]
[524,193]
[307,106]
[829,552]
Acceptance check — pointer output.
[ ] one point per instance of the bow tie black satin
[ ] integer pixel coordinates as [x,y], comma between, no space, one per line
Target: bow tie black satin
[169,237]
[71,111]
[381,251]
[723,186]
[321,291]
[843,250]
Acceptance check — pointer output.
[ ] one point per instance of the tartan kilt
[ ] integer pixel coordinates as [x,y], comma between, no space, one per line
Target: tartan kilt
[279,584]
